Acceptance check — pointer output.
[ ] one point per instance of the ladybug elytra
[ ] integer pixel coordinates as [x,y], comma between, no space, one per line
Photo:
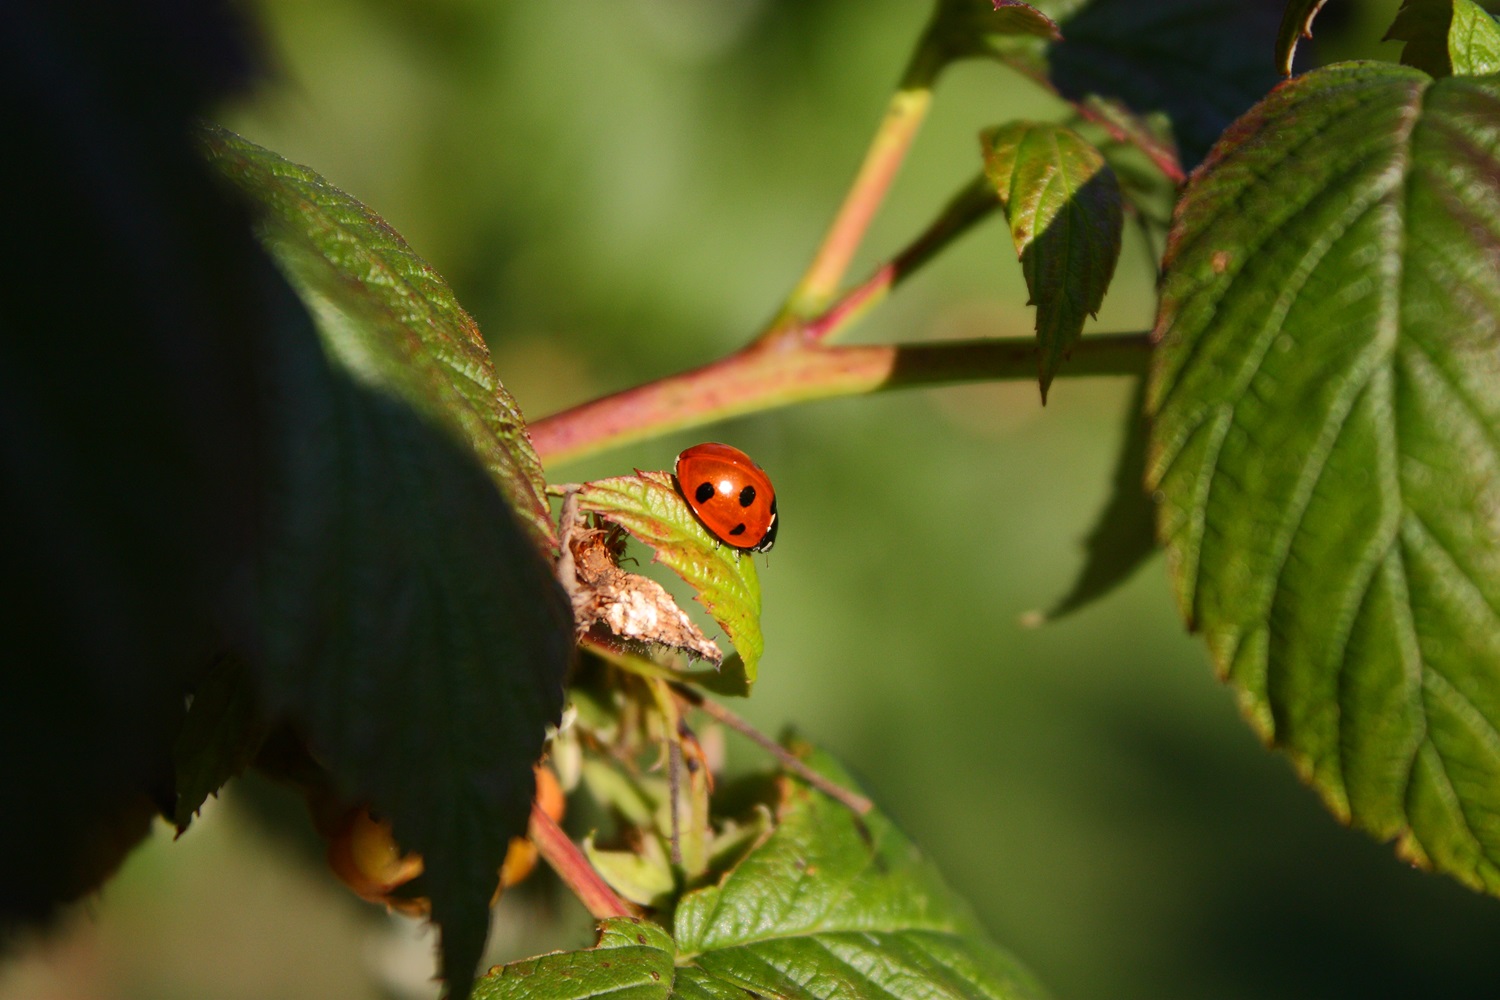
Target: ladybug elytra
[731,495]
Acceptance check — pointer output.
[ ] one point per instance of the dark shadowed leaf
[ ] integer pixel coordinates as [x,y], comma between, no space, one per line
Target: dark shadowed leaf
[1327,443]
[1124,537]
[724,579]
[1444,37]
[361,268]
[410,621]
[127,424]
[224,727]
[1063,205]
[1193,65]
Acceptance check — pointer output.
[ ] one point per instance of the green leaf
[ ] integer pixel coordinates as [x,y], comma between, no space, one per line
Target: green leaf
[827,907]
[1124,537]
[649,507]
[1326,397]
[358,275]
[1446,37]
[632,961]
[223,729]
[1063,204]
[1195,64]
[642,876]
[411,624]
[1296,24]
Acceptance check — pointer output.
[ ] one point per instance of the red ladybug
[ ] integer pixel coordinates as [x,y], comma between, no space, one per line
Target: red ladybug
[731,495]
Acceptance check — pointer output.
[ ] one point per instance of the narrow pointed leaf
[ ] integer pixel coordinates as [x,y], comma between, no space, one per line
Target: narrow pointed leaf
[632,961]
[1124,537]
[1327,443]
[1063,205]
[1296,24]
[1446,37]
[825,908]
[410,622]
[649,507]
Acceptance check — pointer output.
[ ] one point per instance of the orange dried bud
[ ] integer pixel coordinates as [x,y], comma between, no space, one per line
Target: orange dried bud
[364,854]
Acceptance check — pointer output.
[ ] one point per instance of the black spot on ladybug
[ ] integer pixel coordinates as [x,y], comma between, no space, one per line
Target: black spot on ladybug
[738,529]
[747,496]
[705,492]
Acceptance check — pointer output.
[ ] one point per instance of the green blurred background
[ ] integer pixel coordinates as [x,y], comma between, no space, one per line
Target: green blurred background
[621,190]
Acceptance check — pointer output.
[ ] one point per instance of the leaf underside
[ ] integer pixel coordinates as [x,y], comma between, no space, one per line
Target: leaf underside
[1327,443]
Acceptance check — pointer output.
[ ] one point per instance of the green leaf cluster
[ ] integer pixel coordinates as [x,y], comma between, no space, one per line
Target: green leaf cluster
[830,905]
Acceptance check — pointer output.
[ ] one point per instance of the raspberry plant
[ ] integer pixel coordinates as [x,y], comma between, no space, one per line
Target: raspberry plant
[385,600]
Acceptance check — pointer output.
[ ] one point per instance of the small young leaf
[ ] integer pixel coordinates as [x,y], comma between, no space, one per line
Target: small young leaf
[1296,24]
[1063,204]
[632,961]
[223,729]
[1124,537]
[642,876]
[649,507]
[840,908]
[1326,439]
[1447,37]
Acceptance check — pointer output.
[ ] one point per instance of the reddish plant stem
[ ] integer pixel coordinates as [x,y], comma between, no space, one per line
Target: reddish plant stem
[574,869]
[904,115]
[760,378]
[968,208]
[854,801]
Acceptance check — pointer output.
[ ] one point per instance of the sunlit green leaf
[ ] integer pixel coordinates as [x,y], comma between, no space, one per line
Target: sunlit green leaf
[1063,205]
[833,907]
[1327,443]
[1444,37]
[649,507]
[632,961]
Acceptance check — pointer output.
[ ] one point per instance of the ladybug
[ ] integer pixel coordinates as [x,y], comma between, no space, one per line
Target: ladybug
[731,495]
